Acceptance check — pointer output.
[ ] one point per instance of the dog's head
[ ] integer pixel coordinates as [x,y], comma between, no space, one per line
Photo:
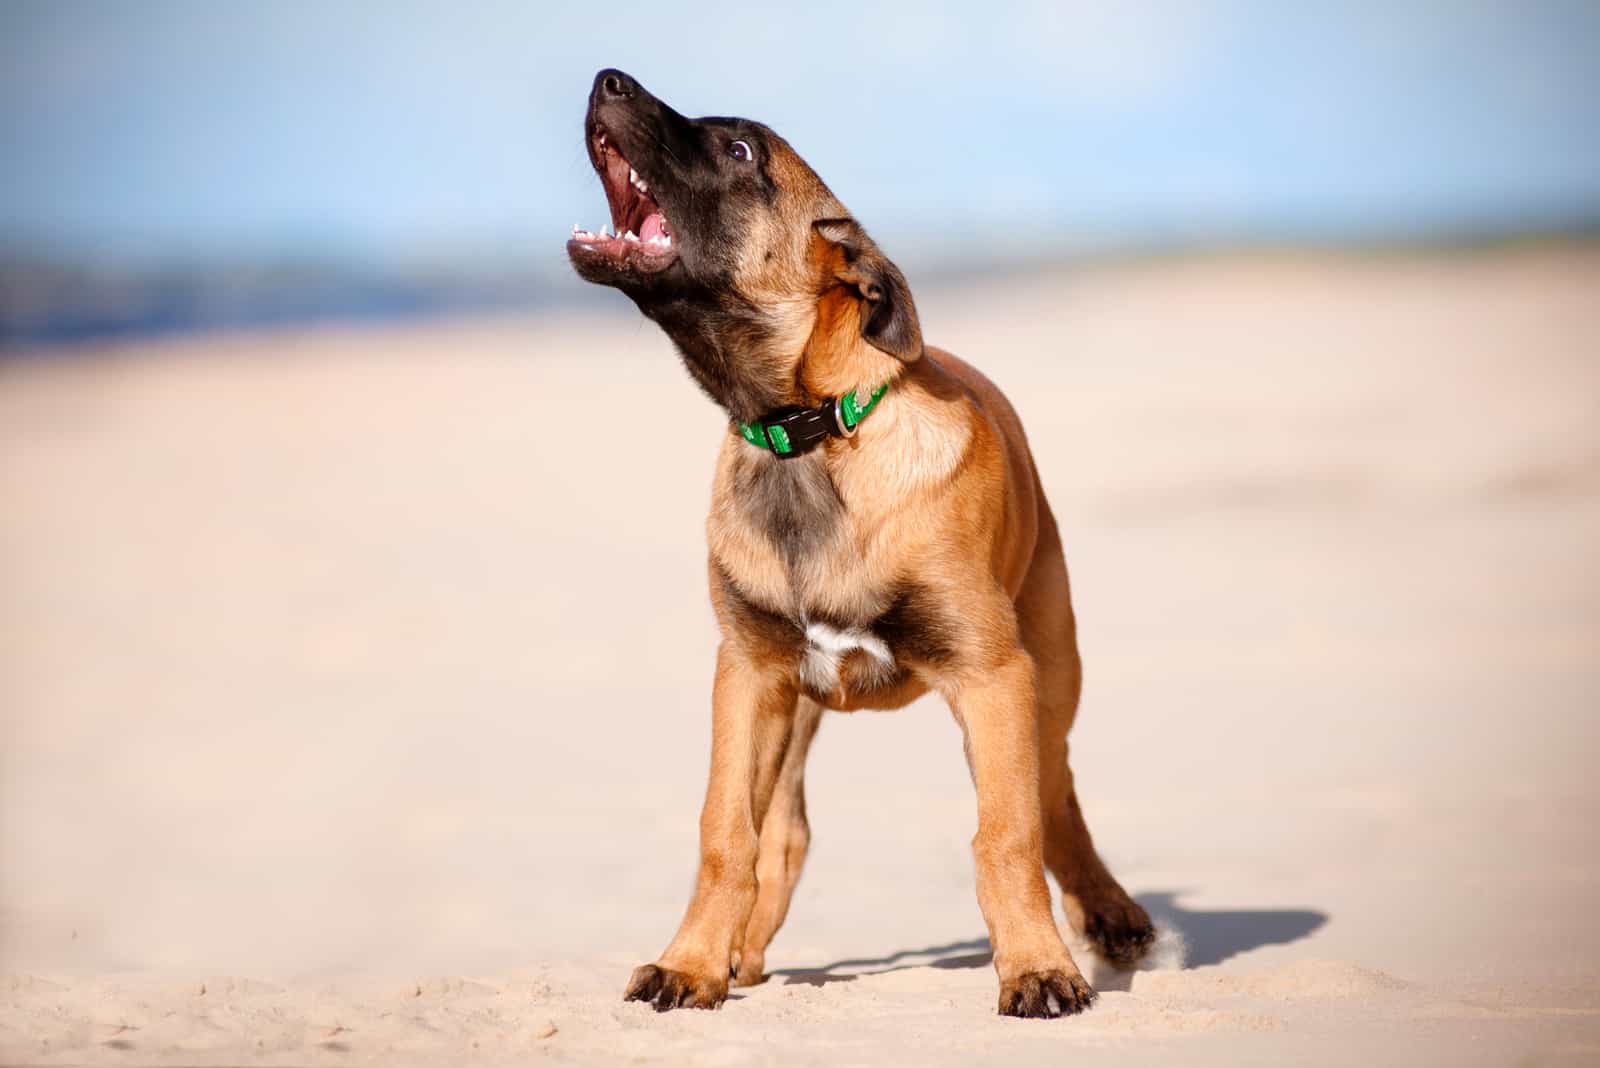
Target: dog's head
[732,243]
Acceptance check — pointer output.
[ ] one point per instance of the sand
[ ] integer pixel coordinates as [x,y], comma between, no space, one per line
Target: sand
[354,687]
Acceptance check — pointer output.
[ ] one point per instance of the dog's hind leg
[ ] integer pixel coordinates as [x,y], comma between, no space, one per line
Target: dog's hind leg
[784,838]
[1097,906]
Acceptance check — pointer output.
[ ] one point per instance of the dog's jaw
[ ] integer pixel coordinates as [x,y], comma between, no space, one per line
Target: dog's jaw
[644,242]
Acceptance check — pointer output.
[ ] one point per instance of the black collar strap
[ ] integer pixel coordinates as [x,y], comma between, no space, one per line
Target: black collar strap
[791,432]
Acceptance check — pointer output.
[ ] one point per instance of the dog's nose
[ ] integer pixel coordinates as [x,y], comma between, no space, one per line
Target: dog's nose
[615,84]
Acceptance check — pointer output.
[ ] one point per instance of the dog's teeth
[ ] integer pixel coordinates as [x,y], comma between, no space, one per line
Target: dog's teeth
[605,230]
[633,176]
[631,236]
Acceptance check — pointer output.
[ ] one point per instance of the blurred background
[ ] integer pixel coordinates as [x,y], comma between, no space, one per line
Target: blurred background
[311,659]
[171,165]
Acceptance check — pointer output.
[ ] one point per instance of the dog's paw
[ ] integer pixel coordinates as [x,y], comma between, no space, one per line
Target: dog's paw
[667,989]
[1121,932]
[1045,995]
[751,971]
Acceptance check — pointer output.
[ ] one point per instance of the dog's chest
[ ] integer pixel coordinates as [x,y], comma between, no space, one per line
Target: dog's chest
[831,593]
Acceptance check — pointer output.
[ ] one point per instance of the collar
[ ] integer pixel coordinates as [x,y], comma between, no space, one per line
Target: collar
[793,431]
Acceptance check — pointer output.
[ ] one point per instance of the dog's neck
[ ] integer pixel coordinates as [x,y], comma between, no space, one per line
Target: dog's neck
[837,359]
[752,364]
[724,349]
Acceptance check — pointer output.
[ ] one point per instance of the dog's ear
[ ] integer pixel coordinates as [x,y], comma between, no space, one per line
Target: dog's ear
[888,315]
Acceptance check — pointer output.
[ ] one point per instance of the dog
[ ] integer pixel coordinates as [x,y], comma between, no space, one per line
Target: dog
[877,531]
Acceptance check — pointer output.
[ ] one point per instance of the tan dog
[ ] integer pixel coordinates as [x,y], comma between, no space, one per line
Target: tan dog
[877,531]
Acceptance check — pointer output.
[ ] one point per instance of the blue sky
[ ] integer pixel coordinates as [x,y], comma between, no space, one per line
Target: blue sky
[450,131]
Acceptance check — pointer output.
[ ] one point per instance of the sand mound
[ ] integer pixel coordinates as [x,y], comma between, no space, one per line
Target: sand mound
[1303,979]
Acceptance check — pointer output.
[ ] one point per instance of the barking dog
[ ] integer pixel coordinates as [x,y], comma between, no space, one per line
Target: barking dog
[877,531]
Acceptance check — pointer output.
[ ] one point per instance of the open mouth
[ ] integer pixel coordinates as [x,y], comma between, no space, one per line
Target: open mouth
[643,239]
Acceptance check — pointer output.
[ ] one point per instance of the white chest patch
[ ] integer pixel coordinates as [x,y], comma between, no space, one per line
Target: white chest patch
[826,646]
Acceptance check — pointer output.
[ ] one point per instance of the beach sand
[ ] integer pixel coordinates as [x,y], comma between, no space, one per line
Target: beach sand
[354,687]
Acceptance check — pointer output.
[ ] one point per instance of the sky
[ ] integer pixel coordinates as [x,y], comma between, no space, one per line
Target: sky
[450,132]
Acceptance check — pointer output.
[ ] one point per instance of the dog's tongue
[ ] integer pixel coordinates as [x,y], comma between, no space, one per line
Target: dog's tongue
[653,226]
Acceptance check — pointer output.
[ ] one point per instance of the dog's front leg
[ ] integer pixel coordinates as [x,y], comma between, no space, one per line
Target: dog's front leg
[1000,721]
[752,702]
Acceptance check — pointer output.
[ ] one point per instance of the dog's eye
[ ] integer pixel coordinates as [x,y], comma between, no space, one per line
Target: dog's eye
[740,150]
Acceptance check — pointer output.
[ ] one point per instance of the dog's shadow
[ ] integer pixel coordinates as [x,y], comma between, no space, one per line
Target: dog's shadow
[1213,937]
[1210,937]
[973,953]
